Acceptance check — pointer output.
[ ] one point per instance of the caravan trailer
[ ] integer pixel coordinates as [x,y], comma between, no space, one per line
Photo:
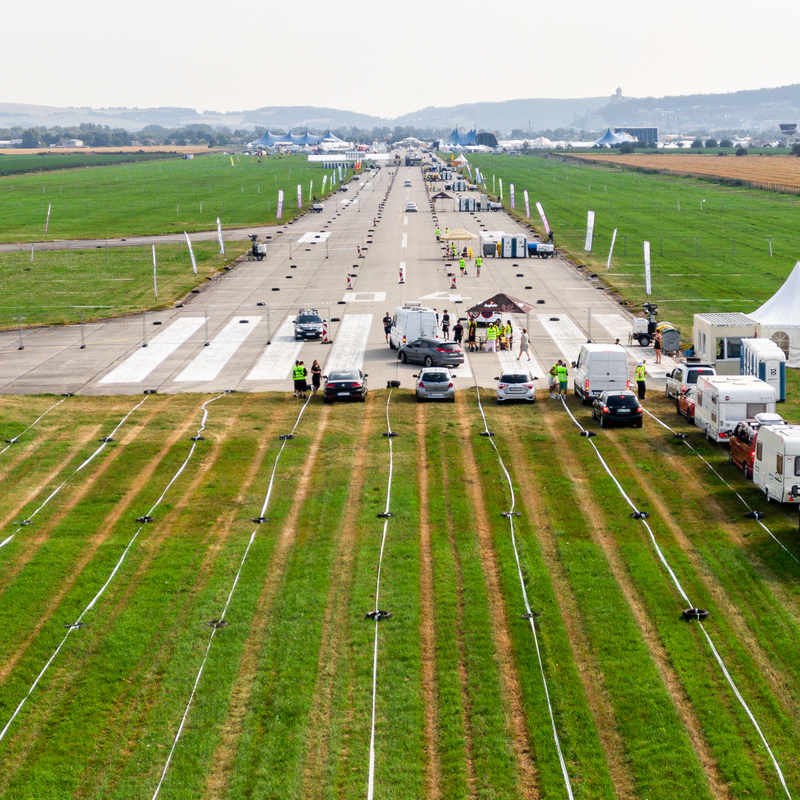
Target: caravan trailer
[776,466]
[724,400]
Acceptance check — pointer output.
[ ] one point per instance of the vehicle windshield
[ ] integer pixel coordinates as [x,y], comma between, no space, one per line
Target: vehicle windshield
[514,377]
[344,376]
[308,319]
[621,401]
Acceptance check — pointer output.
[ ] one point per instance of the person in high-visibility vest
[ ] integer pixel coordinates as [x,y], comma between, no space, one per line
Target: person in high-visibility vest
[552,379]
[509,331]
[297,377]
[462,266]
[438,233]
[641,374]
[491,338]
[561,374]
[478,265]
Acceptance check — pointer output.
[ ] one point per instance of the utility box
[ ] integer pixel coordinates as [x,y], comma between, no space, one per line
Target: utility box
[764,359]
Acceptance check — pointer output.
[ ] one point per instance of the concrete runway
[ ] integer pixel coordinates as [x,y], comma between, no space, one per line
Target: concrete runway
[245,316]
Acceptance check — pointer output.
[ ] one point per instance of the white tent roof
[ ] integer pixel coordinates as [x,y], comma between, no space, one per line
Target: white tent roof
[783,308]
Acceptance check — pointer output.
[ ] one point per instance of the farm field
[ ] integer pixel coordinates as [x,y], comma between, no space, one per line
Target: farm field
[153,197]
[713,248]
[119,680]
[779,170]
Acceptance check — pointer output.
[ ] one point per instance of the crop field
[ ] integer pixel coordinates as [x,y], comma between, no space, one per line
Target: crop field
[152,197]
[713,248]
[185,605]
[778,170]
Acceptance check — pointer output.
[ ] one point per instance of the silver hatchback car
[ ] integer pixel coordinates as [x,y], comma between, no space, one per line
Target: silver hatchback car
[435,383]
[516,385]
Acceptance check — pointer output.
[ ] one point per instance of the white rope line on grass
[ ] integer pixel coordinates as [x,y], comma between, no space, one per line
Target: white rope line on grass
[221,619]
[377,614]
[17,437]
[529,612]
[683,594]
[72,474]
[728,485]
[79,622]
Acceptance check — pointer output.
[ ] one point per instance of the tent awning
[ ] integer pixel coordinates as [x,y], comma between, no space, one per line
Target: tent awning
[501,303]
[458,234]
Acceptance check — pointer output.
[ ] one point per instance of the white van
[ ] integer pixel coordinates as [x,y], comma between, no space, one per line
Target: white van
[724,400]
[776,466]
[600,368]
[412,321]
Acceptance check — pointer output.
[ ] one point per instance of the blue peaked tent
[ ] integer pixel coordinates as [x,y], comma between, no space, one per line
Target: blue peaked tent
[456,139]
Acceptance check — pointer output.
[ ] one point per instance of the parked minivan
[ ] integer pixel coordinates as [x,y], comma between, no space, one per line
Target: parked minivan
[600,368]
[412,321]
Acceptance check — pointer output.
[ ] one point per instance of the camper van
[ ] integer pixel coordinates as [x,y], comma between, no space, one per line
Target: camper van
[412,321]
[600,367]
[724,400]
[776,467]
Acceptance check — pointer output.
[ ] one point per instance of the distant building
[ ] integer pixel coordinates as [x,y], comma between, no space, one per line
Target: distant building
[486,139]
[73,143]
[642,134]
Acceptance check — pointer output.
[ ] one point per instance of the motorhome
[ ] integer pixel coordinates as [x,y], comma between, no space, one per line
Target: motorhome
[600,367]
[412,321]
[724,400]
[776,466]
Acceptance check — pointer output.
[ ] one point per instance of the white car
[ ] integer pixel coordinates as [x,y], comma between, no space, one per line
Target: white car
[516,385]
[407,183]
[411,207]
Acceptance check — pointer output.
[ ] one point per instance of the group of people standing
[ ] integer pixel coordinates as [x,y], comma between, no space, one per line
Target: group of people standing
[451,251]
[499,336]
[300,375]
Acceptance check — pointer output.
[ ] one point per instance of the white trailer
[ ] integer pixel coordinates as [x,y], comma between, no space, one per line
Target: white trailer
[724,400]
[776,466]
[764,359]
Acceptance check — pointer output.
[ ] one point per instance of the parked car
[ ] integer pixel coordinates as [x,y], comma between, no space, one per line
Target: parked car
[618,408]
[432,353]
[685,403]
[516,385]
[308,324]
[686,375]
[345,384]
[435,383]
[742,441]
[407,183]
[411,207]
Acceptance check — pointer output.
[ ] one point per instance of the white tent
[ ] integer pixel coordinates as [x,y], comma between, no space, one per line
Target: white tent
[779,318]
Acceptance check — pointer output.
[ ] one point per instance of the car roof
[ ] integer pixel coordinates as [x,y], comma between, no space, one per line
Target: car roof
[626,392]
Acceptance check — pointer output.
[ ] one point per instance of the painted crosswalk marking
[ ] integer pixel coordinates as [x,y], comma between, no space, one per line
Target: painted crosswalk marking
[276,361]
[212,359]
[567,336]
[139,365]
[350,343]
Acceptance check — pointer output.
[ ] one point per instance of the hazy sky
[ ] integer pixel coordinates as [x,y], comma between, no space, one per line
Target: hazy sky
[386,59]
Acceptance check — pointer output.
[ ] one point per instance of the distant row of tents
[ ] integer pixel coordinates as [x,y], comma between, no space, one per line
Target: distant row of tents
[306,139]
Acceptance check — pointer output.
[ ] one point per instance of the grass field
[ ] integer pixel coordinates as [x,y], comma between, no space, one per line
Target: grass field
[282,708]
[155,197]
[710,244]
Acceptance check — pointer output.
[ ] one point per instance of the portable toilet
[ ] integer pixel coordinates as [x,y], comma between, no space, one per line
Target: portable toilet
[520,246]
[507,246]
[764,359]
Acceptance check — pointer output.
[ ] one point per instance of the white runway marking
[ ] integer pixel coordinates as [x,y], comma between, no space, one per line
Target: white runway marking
[508,358]
[615,324]
[365,297]
[405,220]
[463,372]
[277,360]
[405,240]
[313,236]
[210,361]
[349,343]
[139,365]
[566,334]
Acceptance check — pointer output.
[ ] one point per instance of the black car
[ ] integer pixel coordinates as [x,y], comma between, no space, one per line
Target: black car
[618,408]
[432,353]
[345,384]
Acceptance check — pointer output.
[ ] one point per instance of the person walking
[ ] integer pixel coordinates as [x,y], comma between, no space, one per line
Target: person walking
[316,377]
[657,346]
[563,377]
[438,233]
[445,324]
[458,331]
[523,344]
[491,338]
[641,374]
[472,335]
[387,325]
[478,264]
[462,266]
